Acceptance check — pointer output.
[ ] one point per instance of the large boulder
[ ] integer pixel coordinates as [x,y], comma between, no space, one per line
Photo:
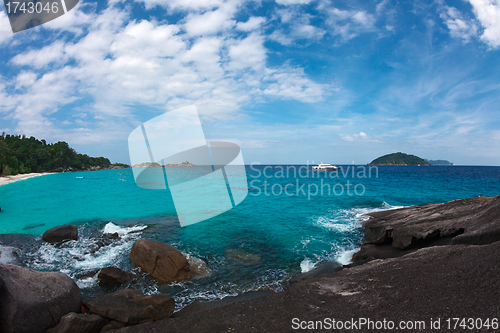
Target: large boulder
[112,276]
[79,323]
[164,262]
[130,306]
[34,301]
[61,233]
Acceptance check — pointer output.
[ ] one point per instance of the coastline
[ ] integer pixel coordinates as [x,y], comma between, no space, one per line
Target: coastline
[4,180]
[421,265]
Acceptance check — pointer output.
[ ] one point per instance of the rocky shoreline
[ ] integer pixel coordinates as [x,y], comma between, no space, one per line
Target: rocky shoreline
[440,262]
[417,264]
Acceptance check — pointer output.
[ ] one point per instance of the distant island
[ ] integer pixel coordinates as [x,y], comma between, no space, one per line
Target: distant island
[168,165]
[399,159]
[20,154]
[439,162]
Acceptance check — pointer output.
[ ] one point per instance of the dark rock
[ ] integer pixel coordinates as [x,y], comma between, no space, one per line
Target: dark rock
[79,323]
[199,306]
[113,325]
[130,306]
[438,282]
[326,269]
[61,233]
[102,241]
[34,301]
[164,262]
[86,275]
[112,276]
[469,221]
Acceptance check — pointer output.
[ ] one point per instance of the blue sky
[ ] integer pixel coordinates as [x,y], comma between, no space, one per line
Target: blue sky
[293,80]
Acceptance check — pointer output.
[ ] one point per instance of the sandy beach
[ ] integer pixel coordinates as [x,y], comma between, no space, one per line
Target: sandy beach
[12,179]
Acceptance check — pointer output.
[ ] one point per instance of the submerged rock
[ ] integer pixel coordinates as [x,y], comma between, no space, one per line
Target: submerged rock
[34,301]
[61,233]
[130,306]
[79,323]
[112,276]
[164,262]
[243,257]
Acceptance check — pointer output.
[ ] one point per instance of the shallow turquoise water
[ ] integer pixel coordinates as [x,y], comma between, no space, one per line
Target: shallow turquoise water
[283,234]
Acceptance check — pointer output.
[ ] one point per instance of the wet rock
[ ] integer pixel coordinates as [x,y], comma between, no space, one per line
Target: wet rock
[102,241]
[164,262]
[112,276]
[61,233]
[198,266]
[86,275]
[130,306]
[34,301]
[79,323]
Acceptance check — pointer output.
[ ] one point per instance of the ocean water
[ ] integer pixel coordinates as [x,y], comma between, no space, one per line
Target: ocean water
[285,226]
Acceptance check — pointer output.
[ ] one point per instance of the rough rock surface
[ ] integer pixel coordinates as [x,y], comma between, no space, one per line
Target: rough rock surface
[130,306]
[34,301]
[397,232]
[61,233]
[112,276]
[438,282]
[164,262]
[79,323]
[198,266]
[434,271]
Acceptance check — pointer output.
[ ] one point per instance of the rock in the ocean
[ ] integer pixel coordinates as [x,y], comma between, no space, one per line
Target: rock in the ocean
[243,257]
[198,266]
[112,276]
[34,301]
[79,323]
[61,233]
[130,306]
[162,261]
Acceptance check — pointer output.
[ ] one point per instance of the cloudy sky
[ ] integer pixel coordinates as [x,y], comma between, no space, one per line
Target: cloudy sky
[293,80]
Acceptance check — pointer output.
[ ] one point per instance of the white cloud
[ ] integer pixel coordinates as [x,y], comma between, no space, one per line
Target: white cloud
[183,4]
[5,29]
[41,58]
[295,25]
[288,83]
[212,22]
[488,13]
[349,23]
[459,26]
[248,53]
[293,2]
[253,23]
[354,137]
[117,64]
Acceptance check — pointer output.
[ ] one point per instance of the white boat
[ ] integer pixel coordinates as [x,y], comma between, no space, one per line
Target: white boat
[325,167]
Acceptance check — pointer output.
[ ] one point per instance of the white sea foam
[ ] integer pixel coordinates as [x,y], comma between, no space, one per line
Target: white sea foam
[345,257]
[346,221]
[307,265]
[7,254]
[82,256]
[112,228]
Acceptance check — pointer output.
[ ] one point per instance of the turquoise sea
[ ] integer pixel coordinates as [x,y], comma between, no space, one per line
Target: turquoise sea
[257,245]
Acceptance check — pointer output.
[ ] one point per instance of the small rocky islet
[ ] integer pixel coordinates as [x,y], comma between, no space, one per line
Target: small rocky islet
[430,261]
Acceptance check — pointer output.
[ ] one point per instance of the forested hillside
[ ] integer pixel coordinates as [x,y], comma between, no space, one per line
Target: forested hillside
[19,154]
